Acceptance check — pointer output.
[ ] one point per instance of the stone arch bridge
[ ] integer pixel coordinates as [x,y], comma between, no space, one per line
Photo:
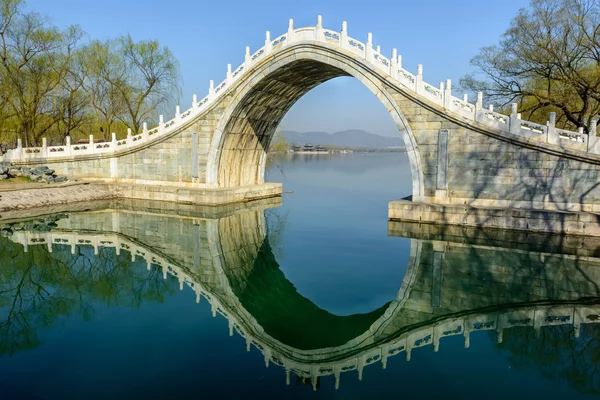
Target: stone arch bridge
[461,153]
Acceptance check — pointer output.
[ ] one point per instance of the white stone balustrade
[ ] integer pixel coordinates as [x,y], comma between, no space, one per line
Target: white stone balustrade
[441,95]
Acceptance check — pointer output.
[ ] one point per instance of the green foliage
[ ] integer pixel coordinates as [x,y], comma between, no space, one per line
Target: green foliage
[548,60]
[52,84]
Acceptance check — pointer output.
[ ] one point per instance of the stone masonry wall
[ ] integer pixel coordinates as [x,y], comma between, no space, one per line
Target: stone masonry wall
[485,171]
[166,160]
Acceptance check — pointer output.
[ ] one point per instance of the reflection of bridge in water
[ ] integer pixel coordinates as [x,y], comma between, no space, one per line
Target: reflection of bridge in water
[457,282]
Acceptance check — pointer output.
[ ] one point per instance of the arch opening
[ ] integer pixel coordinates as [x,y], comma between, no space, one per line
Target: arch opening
[253,123]
[242,137]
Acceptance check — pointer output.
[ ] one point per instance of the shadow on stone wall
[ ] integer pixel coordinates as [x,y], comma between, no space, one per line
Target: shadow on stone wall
[542,182]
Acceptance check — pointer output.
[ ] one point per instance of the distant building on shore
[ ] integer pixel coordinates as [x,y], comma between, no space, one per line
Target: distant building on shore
[309,149]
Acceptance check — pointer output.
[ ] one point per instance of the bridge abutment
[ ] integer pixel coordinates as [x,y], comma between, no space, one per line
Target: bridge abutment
[474,176]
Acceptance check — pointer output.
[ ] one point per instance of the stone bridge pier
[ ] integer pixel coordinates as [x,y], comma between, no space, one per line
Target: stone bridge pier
[470,165]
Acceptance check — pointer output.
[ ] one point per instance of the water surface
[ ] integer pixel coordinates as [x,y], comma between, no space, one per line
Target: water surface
[316,296]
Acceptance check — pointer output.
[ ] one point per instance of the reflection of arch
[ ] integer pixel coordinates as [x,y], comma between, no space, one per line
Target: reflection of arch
[227,246]
[314,365]
[233,244]
[238,149]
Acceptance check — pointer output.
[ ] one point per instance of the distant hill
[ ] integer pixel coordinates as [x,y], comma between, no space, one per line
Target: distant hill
[351,138]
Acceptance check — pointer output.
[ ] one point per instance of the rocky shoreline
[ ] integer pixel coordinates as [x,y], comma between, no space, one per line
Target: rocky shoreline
[36,174]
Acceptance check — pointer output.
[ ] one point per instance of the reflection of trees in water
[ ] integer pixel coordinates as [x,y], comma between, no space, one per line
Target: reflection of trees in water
[557,354]
[276,225]
[39,287]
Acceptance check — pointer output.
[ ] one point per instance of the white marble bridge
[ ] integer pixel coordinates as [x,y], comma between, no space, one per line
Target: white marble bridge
[461,151]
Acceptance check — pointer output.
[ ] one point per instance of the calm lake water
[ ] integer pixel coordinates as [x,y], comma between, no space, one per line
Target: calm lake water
[313,296]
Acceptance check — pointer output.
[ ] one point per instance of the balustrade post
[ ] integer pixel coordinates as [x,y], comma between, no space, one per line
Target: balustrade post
[195,103]
[448,94]
[479,103]
[290,33]
[247,59]
[44,147]
[479,115]
[161,124]
[515,121]
[360,365]
[319,29]
[268,44]
[92,141]
[229,75]
[369,47]
[419,78]
[68,146]
[211,89]
[177,113]
[344,35]
[129,136]
[593,140]
[441,94]
[394,64]
[145,133]
[114,142]
[551,134]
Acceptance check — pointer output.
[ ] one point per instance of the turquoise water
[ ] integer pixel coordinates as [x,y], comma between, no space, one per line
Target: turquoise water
[143,300]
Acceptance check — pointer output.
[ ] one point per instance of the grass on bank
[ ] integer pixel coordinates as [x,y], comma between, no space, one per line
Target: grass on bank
[17,179]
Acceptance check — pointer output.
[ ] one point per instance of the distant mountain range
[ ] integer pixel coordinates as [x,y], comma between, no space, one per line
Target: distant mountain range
[352,138]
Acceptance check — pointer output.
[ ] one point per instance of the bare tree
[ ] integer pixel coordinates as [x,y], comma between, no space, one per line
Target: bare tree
[101,75]
[548,60]
[151,80]
[73,103]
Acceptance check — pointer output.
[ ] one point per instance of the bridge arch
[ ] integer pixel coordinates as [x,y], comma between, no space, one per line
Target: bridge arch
[243,134]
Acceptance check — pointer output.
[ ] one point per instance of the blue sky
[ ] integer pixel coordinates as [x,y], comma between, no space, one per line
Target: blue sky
[207,35]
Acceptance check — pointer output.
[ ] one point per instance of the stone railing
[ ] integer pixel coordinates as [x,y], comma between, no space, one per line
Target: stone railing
[392,67]
[529,316]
